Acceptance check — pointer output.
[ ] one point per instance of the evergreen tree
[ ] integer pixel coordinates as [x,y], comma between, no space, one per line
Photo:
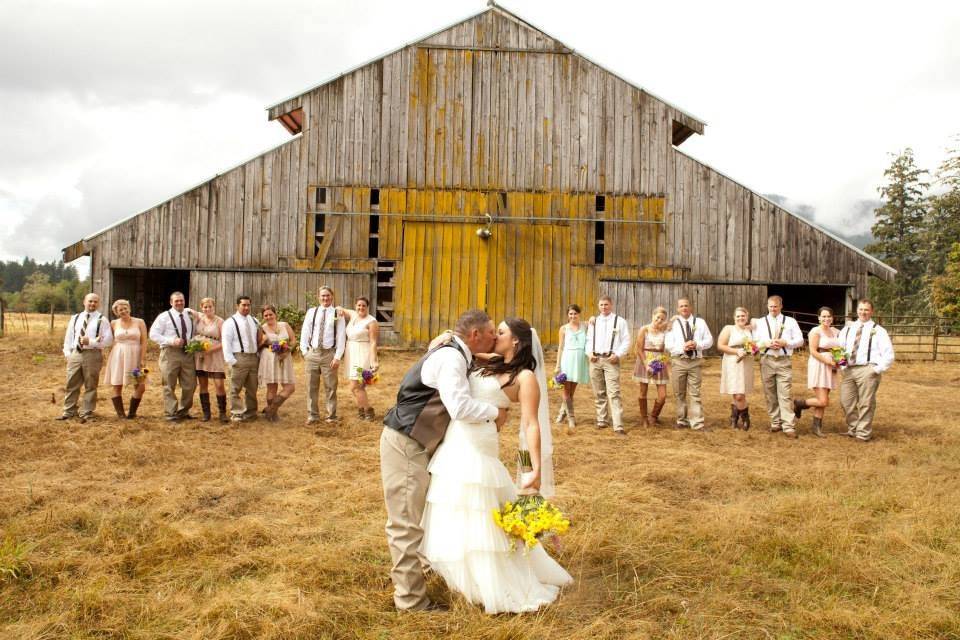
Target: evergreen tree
[899,235]
[945,288]
[943,216]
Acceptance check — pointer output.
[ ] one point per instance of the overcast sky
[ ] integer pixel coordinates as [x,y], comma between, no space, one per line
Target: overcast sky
[111,106]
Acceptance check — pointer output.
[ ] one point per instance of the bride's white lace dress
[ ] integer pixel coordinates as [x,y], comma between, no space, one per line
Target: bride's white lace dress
[461,540]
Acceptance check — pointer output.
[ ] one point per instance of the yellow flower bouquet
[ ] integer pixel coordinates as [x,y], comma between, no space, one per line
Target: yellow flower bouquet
[197,345]
[530,519]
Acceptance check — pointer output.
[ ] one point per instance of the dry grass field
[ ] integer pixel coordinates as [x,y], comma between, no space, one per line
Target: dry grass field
[140,529]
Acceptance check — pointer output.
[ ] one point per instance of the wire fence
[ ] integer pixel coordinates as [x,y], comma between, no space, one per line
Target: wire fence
[913,337]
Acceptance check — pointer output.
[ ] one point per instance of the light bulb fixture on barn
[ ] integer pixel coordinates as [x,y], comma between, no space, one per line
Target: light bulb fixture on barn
[485,232]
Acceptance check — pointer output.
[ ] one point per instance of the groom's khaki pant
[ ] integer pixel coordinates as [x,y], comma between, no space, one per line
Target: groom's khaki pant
[776,373]
[403,469]
[687,376]
[605,379]
[858,397]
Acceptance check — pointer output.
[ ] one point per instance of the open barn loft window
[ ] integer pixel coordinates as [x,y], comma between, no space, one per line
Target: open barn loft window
[374,197]
[318,197]
[598,242]
[601,204]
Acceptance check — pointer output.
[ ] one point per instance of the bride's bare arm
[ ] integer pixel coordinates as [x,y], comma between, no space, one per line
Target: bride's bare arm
[529,397]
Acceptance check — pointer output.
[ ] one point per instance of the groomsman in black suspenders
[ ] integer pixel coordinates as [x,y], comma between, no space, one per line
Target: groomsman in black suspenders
[870,353]
[322,342]
[172,330]
[87,334]
[778,335]
[241,336]
[687,338]
[608,340]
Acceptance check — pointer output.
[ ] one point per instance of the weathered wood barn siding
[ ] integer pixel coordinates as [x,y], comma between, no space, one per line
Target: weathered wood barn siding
[397,162]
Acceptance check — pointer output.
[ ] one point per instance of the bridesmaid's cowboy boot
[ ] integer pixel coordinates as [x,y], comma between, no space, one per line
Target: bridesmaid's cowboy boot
[818,427]
[370,414]
[644,417]
[745,419]
[118,406]
[799,406]
[563,412]
[362,413]
[205,407]
[274,407]
[222,408]
[734,416]
[654,418]
[571,418]
[134,404]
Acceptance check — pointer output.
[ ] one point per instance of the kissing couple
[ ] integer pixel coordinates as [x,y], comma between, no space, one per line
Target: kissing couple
[442,475]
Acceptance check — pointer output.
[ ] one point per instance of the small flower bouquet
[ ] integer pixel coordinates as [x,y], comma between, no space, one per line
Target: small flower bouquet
[839,356]
[557,381]
[656,364]
[368,376]
[138,375]
[529,520]
[197,345]
[750,348]
[280,347]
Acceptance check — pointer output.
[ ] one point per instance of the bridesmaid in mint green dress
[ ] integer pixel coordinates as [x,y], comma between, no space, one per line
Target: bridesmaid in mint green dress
[572,362]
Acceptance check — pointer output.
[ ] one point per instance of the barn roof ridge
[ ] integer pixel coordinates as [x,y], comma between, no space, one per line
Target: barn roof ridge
[807,222]
[492,5]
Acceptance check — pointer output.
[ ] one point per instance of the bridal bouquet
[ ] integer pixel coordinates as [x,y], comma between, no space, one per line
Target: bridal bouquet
[750,347]
[138,375]
[557,381]
[839,356]
[368,376]
[657,364]
[530,519]
[197,345]
[280,347]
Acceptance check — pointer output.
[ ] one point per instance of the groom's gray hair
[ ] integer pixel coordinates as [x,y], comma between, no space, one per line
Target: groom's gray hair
[470,320]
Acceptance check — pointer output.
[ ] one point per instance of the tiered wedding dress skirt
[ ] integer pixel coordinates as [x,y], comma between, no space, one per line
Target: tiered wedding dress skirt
[462,542]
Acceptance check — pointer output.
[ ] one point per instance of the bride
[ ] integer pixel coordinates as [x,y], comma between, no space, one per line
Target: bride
[468,482]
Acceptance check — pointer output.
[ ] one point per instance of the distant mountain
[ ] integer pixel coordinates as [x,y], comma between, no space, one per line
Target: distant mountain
[862,209]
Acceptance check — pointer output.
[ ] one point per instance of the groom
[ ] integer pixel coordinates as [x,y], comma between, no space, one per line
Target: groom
[432,393]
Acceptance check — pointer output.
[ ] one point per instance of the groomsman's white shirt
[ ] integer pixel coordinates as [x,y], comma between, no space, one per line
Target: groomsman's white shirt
[446,371]
[791,332]
[104,337]
[231,342]
[675,337]
[881,351]
[163,332]
[601,328]
[315,318]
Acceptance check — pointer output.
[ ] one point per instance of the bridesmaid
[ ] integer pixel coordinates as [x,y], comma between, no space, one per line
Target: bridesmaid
[572,362]
[276,368]
[821,370]
[650,342]
[210,364]
[363,332]
[736,367]
[129,348]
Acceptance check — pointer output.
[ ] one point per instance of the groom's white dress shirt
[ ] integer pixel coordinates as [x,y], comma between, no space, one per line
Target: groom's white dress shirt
[674,340]
[446,371]
[163,331]
[245,342]
[607,329]
[98,330]
[878,351]
[768,328]
[321,319]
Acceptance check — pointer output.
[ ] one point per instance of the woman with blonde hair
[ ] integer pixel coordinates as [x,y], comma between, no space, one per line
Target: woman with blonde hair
[126,356]
[736,367]
[652,367]
[210,364]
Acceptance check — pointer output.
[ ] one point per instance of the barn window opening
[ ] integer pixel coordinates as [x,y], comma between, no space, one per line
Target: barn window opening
[320,195]
[601,204]
[319,227]
[598,242]
[373,242]
[502,202]
[374,197]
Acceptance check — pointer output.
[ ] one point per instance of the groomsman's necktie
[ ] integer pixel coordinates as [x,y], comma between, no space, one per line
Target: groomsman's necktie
[253,341]
[183,327]
[83,331]
[323,328]
[856,345]
[688,334]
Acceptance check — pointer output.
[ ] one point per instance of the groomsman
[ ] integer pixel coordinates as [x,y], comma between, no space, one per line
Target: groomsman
[172,330]
[87,334]
[870,353]
[608,340]
[686,340]
[780,335]
[322,341]
[241,336]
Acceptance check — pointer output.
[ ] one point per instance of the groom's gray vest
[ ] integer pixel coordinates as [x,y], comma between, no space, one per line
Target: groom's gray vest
[419,413]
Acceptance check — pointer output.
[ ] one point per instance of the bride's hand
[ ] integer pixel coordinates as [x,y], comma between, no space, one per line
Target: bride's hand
[487,357]
[530,482]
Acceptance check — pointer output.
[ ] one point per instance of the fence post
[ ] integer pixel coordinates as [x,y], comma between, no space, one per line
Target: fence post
[2,318]
[51,318]
[936,337]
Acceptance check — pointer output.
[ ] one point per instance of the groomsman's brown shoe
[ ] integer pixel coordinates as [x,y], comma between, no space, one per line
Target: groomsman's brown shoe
[65,417]
[791,434]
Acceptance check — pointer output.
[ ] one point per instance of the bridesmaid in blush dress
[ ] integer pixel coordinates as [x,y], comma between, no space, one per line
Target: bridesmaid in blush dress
[821,370]
[129,348]
[210,364]
[276,368]
[736,367]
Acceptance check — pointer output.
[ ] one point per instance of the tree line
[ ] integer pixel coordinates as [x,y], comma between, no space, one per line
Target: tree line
[917,232]
[39,286]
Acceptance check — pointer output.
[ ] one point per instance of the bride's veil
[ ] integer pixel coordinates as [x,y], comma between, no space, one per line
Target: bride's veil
[543,417]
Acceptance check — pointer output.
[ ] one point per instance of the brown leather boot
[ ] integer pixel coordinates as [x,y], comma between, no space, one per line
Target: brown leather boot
[370,414]
[643,411]
[734,416]
[222,409]
[654,418]
[799,406]
[205,407]
[118,406]
[818,428]
[273,407]
[132,412]
[745,419]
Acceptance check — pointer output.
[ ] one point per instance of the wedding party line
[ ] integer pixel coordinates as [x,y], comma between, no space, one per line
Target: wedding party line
[198,348]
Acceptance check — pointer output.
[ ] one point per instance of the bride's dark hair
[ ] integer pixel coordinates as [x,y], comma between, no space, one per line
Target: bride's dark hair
[522,357]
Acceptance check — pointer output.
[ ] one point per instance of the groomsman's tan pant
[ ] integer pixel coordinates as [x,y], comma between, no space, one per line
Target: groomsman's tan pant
[858,397]
[319,368]
[83,370]
[605,380]
[177,366]
[403,470]
[686,374]
[776,374]
[243,376]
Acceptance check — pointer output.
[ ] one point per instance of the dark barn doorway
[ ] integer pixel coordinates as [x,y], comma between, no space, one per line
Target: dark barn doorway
[803,300]
[148,290]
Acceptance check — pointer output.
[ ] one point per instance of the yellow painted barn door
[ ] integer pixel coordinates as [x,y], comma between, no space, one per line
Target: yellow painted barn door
[522,270]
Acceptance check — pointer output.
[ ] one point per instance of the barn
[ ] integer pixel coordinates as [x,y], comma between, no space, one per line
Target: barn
[487,165]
